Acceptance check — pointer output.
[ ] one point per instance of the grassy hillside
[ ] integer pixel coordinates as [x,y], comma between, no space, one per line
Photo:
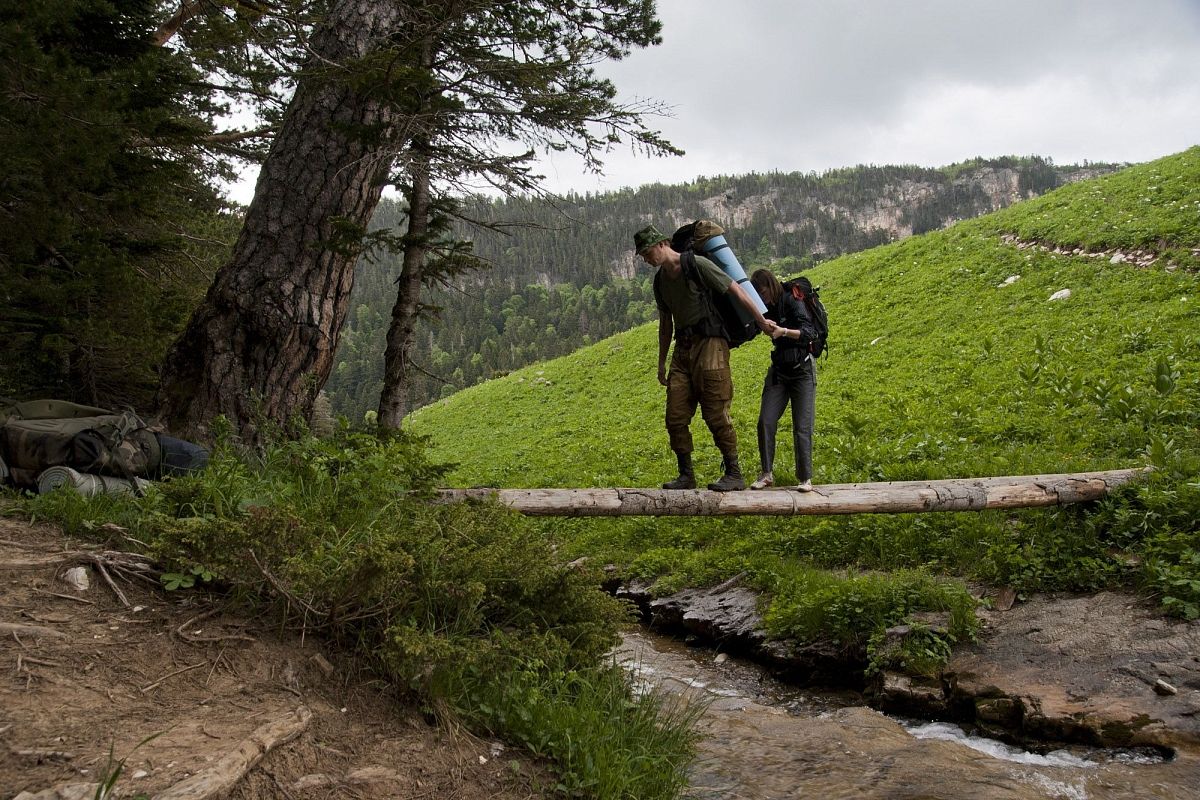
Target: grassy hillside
[940,366]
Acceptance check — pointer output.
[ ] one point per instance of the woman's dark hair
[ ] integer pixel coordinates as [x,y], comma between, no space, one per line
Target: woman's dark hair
[768,286]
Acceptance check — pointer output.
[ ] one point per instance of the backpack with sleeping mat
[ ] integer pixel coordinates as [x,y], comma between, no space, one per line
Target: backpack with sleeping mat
[707,238]
[39,434]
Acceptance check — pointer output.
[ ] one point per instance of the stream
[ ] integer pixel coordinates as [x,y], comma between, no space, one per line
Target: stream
[764,739]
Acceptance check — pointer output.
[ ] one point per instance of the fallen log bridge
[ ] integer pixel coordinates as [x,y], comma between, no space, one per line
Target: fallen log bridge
[899,497]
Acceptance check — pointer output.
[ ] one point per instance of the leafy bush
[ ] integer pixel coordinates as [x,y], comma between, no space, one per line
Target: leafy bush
[922,650]
[455,602]
[1172,571]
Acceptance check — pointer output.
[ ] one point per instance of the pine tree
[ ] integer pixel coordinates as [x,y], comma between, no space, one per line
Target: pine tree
[261,345]
[506,72]
[110,226]
[429,81]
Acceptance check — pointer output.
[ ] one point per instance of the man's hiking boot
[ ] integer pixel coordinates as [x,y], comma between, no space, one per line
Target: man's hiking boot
[682,482]
[765,481]
[805,486]
[732,480]
[687,476]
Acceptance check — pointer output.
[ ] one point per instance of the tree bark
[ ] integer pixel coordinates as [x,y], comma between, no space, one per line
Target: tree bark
[393,400]
[961,494]
[261,345]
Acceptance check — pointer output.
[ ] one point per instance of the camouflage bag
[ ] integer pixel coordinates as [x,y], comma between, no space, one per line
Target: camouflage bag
[40,434]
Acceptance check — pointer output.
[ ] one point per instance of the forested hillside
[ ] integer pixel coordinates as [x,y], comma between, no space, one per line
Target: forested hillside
[564,277]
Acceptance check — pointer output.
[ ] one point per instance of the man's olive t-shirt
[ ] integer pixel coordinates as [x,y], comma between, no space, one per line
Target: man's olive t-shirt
[681,297]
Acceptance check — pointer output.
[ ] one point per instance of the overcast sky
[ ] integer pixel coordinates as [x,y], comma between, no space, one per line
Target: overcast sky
[761,85]
[811,85]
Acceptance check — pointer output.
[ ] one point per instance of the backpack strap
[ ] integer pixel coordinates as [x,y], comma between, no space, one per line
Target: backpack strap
[687,261]
[794,313]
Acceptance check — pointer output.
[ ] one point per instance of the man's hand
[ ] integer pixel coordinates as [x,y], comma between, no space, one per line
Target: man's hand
[662,374]
[765,325]
[778,332]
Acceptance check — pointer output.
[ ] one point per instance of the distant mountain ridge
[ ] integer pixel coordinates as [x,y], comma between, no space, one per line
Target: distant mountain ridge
[565,277]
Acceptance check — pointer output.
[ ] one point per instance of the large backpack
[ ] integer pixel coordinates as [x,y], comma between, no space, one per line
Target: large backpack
[802,289]
[722,307]
[40,434]
[707,238]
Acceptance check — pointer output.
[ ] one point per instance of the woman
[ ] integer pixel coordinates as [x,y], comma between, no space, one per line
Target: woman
[792,377]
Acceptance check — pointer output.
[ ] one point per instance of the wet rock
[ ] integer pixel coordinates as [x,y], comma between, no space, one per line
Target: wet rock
[1080,667]
[728,615]
[717,616]
[637,591]
[1051,669]
[902,693]
[1003,711]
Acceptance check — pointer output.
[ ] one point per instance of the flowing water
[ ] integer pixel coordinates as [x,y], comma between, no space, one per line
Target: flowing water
[763,739]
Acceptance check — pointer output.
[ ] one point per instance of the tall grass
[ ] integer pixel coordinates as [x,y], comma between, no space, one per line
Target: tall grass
[568,718]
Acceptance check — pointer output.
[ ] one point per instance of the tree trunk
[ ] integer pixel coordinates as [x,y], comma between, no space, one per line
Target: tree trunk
[393,400]
[961,494]
[261,344]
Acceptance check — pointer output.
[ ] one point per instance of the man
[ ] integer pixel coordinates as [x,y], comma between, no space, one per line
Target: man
[699,370]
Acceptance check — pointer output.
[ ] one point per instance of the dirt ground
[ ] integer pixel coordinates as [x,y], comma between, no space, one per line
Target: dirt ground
[84,674]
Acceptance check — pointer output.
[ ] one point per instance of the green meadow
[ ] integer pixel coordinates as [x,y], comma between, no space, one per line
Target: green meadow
[947,359]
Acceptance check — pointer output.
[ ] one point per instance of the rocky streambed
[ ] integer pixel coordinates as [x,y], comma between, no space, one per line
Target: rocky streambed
[1102,670]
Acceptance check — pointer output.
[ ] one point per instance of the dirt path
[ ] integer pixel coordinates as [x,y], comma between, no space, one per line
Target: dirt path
[81,672]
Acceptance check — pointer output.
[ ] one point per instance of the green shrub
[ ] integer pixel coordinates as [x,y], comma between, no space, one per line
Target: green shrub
[453,602]
[923,650]
[1171,571]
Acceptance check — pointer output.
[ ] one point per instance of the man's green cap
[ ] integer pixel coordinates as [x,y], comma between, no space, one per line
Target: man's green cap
[647,237]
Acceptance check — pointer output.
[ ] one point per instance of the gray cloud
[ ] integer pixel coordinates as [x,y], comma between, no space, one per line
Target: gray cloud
[760,85]
[818,84]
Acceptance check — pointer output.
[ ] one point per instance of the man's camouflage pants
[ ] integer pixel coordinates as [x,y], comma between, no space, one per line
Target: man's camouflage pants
[699,375]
